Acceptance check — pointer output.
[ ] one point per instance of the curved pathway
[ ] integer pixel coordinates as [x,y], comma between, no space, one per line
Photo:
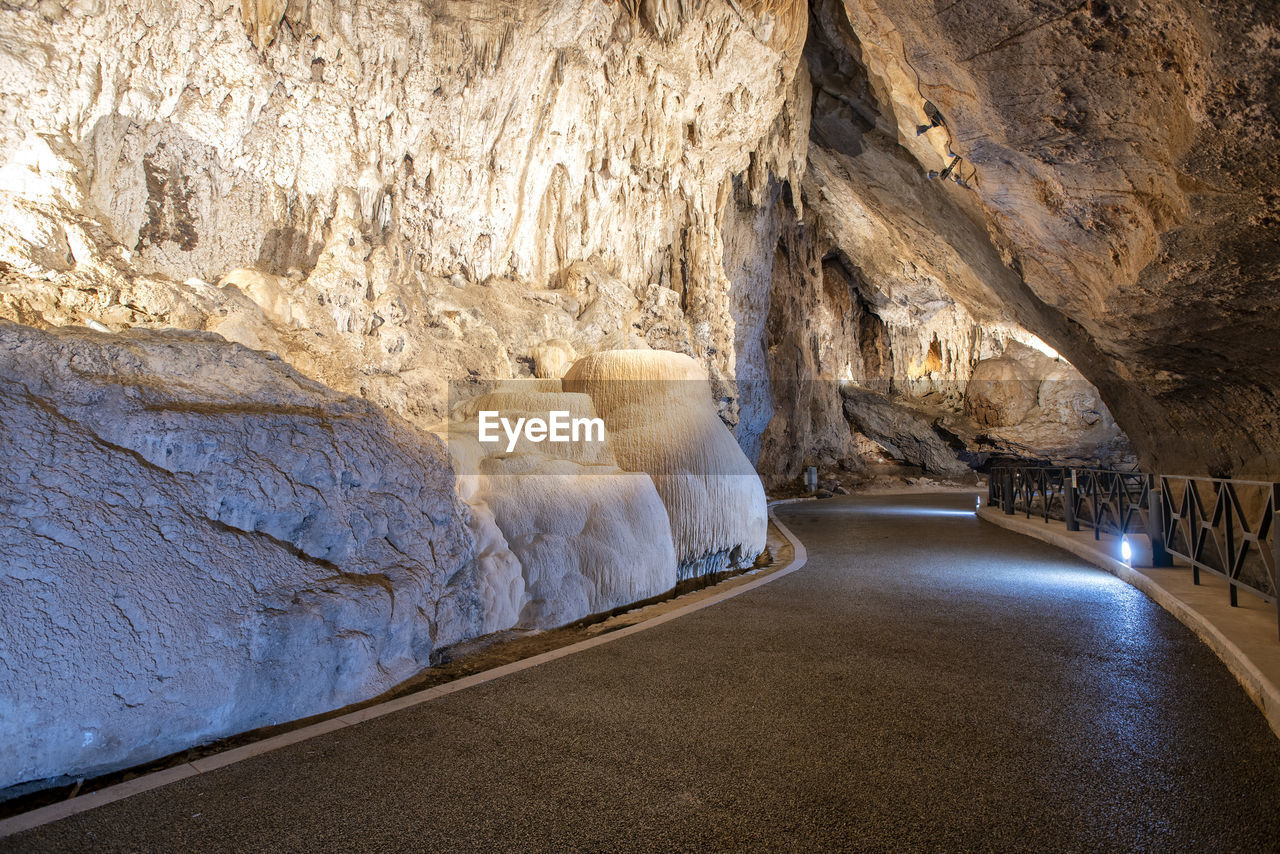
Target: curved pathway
[926,682]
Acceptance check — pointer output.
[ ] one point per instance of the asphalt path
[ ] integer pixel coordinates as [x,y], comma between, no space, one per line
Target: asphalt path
[928,682]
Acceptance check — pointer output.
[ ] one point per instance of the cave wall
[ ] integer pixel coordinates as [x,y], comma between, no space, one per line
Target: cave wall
[889,282]
[1121,158]
[391,195]
[197,541]
[391,199]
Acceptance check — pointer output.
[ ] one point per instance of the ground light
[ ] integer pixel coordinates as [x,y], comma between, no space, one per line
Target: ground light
[1126,550]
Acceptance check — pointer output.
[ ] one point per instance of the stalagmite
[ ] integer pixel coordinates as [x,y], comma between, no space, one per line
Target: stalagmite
[658,408]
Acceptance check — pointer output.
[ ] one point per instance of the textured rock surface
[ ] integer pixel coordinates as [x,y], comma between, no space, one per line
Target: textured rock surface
[561,531]
[391,195]
[197,541]
[905,431]
[420,191]
[1121,157]
[1000,392]
[828,324]
[1043,409]
[657,406]
[1022,404]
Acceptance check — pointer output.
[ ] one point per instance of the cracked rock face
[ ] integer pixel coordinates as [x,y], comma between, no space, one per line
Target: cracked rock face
[198,541]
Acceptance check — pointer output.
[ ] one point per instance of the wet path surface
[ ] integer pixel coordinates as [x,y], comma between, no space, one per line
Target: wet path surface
[926,682]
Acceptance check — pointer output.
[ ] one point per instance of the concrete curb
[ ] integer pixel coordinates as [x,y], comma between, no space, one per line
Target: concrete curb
[1262,690]
[101,797]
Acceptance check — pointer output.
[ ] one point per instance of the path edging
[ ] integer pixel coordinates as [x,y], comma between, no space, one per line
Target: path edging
[1261,690]
[156,779]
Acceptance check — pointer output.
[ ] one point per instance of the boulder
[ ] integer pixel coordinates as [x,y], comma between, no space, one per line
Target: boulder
[1001,392]
[198,541]
[905,432]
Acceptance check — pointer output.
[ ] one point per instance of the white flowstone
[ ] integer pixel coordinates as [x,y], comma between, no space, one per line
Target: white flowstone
[658,408]
[562,532]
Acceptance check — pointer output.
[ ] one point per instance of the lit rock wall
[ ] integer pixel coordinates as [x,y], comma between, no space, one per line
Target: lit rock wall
[196,540]
[1028,406]
[1120,159]
[391,195]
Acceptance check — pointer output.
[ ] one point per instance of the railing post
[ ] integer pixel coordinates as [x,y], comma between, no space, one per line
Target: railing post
[1093,505]
[1155,522]
[1009,497]
[1192,529]
[1223,497]
[1069,499]
[1275,548]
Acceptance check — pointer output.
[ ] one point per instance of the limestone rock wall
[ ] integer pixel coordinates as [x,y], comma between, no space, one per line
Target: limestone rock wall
[881,279]
[1026,405]
[197,541]
[1119,157]
[391,195]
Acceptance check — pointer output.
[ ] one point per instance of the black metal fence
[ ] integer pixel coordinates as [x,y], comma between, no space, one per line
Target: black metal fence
[1226,527]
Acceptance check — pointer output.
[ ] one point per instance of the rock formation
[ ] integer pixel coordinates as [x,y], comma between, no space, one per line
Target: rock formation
[1119,172]
[387,195]
[907,432]
[657,406]
[1001,392]
[562,532]
[1025,405]
[197,541]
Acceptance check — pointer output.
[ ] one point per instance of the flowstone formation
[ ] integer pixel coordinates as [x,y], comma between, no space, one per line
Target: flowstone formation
[197,541]
[657,406]
[567,529]
[561,531]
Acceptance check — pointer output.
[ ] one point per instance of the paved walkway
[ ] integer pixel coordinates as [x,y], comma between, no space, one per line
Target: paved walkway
[927,682]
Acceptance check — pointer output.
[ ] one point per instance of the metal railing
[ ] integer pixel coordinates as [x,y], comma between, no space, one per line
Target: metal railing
[1226,527]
